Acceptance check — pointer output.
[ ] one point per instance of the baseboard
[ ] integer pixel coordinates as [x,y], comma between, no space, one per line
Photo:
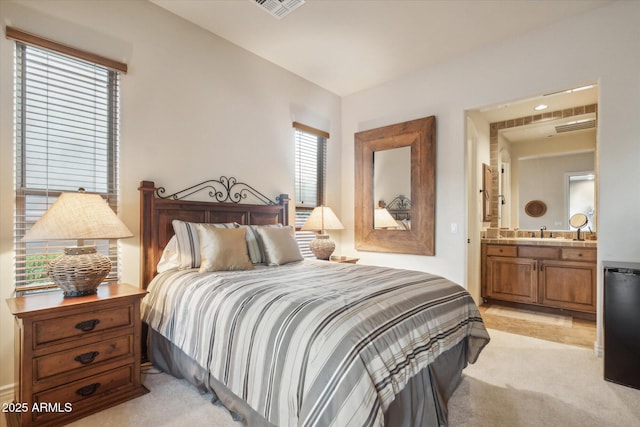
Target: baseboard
[598,349]
[6,396]
[6,393]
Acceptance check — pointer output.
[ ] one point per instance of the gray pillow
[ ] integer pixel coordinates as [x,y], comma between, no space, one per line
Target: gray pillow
[279,245]
[256,252]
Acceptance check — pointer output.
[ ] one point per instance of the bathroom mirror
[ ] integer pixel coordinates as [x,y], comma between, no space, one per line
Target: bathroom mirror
[533,161]
[416,137]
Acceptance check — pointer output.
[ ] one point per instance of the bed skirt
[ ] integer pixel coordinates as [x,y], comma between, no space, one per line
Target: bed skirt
[423,402]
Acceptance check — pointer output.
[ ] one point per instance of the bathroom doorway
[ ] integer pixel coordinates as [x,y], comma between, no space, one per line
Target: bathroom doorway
[557,125]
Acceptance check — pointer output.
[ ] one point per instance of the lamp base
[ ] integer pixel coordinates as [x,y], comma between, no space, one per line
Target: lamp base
[322,246]
[79,271]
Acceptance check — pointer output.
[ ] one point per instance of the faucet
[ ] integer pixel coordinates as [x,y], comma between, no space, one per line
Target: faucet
[544,227]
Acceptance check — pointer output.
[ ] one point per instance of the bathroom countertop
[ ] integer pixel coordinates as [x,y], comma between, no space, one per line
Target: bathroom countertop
[536,241]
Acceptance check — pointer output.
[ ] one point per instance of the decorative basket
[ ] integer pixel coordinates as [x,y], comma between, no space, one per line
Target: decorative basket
[79,271]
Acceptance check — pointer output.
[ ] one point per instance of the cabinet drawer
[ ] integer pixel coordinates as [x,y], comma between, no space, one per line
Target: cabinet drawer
[544,252]
[81,357]
[579,254]
[51,330]
[502,250]
[82,393]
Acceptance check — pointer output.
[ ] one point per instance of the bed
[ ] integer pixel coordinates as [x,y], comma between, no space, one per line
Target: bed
[298,342]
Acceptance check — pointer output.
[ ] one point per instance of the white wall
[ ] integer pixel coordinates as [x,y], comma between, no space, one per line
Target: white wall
[543,178]
[598,46]
[194,107]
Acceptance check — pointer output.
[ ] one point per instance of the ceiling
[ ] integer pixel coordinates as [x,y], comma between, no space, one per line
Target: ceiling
[346,46]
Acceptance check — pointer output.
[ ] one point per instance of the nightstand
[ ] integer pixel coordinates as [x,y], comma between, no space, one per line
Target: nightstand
[75,356]
[344,259]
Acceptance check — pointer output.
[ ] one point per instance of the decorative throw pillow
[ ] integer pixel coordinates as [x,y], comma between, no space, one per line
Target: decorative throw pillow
[223,248]
[170,258]
[189,243]
[256,252]
[279,244]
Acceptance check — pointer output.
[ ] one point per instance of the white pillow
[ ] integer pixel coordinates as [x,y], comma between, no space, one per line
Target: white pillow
[256,252]
[170,258]
[189,242]
[279,244]
[223,248]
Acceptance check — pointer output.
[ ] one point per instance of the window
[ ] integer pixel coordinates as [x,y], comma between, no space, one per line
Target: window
[311,156]
[66,119]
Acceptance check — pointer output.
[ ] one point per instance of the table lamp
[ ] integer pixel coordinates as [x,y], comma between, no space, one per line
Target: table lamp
[383,219]
[322,218]
[78,216]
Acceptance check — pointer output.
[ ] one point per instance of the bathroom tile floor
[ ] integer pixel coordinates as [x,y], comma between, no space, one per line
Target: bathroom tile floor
[581,332]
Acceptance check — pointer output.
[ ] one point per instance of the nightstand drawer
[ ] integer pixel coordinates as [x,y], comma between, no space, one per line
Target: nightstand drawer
[83,392]
[81,357]
[59,328]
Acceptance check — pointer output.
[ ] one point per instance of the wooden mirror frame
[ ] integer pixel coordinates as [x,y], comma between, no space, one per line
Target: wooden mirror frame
[419,134]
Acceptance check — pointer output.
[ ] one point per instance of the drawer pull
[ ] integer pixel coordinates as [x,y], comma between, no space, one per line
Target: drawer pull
[88,325]
[88,390]
[87,358]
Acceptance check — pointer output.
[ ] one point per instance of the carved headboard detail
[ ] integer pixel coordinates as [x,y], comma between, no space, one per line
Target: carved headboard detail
[157,211]
[399,208]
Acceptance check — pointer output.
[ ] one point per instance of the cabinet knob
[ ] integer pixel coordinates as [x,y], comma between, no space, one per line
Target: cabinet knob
[88,325]
[87,358]
[88,390]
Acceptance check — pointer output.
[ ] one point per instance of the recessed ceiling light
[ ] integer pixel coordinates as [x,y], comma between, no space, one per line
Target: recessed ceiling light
[541,107]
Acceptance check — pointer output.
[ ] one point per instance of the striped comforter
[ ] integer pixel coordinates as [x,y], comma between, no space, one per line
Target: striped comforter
[314,343]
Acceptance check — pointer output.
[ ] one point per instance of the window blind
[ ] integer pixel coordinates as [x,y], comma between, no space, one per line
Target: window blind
[66,138]
[311,155]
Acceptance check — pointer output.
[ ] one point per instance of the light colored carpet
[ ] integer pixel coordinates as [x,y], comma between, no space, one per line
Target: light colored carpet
[517,381]
[531,316]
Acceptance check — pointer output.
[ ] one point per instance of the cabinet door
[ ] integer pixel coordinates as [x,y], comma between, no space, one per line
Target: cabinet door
[512,279]
[567,284]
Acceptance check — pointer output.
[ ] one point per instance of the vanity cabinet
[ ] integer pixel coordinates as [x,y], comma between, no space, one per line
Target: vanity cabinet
[548,276]
[512,279]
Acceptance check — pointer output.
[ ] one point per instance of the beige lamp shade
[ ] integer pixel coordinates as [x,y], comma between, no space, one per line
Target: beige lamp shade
[322,218]
[78,216]
[383,219]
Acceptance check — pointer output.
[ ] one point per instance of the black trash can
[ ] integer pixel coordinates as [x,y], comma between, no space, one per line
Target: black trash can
[622,323]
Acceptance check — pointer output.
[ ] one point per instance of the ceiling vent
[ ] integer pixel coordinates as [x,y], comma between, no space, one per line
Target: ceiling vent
[279,8]
[577,125]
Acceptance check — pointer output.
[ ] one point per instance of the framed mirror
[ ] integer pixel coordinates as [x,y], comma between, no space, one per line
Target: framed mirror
[419,136]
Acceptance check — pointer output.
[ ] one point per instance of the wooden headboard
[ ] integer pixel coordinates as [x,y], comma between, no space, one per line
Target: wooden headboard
[399,208]
[157,211]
